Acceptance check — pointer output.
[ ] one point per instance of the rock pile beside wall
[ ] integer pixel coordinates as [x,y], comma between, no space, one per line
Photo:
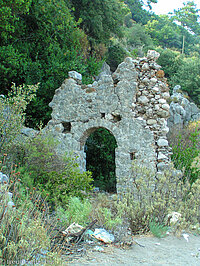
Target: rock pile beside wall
[131,104]
[181,109]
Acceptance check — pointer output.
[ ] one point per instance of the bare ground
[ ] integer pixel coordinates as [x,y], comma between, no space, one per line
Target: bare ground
[170,250]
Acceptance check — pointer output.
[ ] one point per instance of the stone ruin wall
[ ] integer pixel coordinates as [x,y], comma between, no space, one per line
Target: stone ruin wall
[131,104]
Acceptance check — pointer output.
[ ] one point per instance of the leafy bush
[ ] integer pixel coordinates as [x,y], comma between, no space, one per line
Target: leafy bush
[155,198]
[111,221]
[195,166]
[115,56]
[157,229]
[26,227]
[105,211]
[75,211]
[188,77]
[12,113]
[170,61]
[137,37]
[58,175]
[185,146]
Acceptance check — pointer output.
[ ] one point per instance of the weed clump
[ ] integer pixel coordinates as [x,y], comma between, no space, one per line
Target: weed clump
[26,227]
[185,143]
[154,197]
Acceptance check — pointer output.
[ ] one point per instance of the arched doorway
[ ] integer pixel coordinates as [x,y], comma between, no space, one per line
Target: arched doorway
[100,159]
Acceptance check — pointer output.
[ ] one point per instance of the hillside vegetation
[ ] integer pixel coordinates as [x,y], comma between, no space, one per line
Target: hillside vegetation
[42,193]
[40,41]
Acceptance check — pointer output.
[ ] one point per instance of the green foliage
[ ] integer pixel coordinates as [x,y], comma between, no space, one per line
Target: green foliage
[170,61]
[58,175]
[188,76]
[105,211]
[139,14]
[164,32]
[9,16]
[156,198]
[157,229]
[195,166]
[46,44]
[188,16]
[185,147]
[182,70]
[25,227]
[136,37]
[76,211]
[12,114]
[100,20]
[100,158]
[11,67]
[111,221]
[115,55]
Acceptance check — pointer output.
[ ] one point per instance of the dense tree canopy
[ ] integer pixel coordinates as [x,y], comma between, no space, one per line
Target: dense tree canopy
[168,34]
[41,40]
[188,16]
[100,19]
[46,44]
[10,11]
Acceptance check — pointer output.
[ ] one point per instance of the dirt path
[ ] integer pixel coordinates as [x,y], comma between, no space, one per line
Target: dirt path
[166,251]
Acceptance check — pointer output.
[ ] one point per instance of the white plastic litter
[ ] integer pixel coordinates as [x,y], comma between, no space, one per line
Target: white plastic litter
[186,236]
[103,235]
[174,217]
[97,248]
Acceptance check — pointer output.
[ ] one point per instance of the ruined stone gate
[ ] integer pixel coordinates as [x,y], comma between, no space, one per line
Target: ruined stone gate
[131,104]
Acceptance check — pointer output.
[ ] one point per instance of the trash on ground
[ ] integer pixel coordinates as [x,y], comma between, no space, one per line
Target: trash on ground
[97,248]
[173,218]
[73,229]
[103,235]
[157,244]
[75,232]
[186,236]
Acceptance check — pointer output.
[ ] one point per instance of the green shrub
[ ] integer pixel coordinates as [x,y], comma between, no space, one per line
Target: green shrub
[195,166]
[157,229]
[137,36]
[76,210]
[115,55]
[26,227]
[152,197]
[104,209]
[58,175]
[111,221]
[185,148]
[12,114]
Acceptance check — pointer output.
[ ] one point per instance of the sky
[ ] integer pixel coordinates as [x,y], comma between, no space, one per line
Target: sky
[166,6]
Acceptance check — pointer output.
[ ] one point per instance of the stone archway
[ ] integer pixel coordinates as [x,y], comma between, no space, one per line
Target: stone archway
[131,104]
[100,158]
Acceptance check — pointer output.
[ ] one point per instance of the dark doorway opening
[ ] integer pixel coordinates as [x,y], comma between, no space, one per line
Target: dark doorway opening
[100,159]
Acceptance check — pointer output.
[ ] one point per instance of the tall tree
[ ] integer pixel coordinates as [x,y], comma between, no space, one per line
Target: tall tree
[46,44]
[139,14]
[10,10]
[100,19]
[168,34]
[188,16]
